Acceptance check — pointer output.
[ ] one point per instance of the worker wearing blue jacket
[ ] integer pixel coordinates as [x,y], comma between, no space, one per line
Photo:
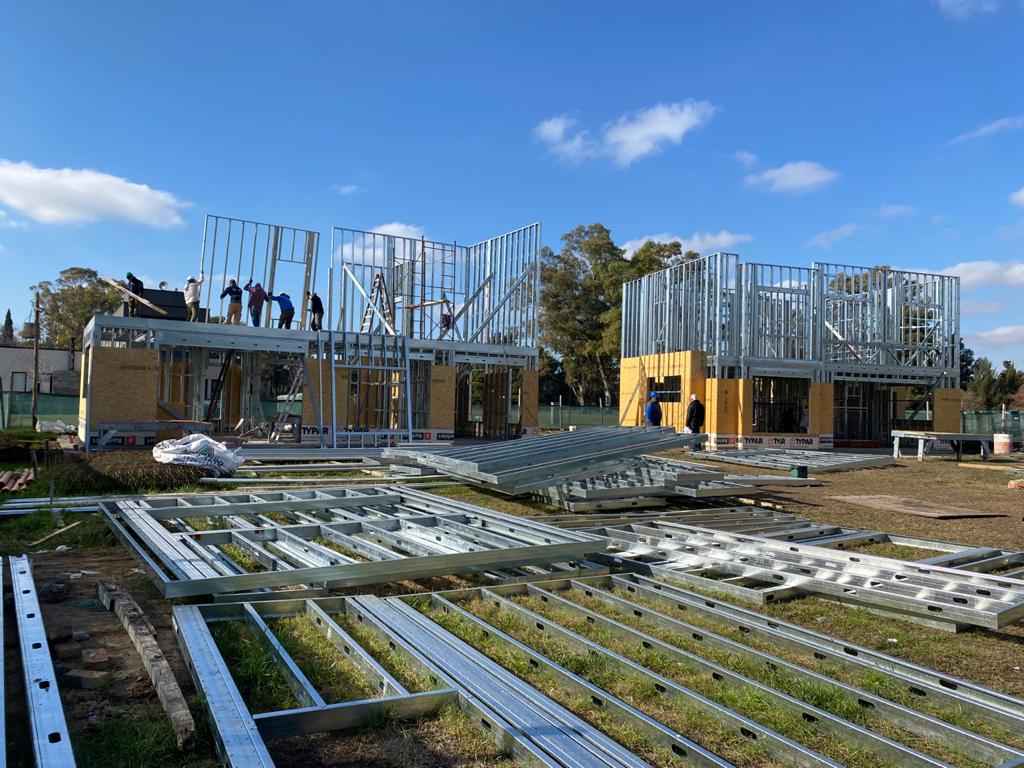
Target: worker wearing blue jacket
[653,411]
[287,310]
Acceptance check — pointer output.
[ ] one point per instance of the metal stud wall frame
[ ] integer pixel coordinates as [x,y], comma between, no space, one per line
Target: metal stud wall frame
[485,293]
[825,322]
[943,597]
[205,545]
[246,250]
[486,649]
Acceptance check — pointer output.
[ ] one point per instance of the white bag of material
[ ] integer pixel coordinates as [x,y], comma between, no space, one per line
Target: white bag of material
[58,427]
[198,451]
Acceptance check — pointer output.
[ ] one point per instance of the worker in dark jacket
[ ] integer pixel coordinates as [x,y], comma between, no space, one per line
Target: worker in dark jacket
[257,298]
[287,310]
[653,411]
[234,304]
[135,286]
[695,417]
[316,308]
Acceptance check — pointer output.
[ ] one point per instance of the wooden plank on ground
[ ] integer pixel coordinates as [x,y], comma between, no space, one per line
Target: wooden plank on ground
[914,507]
[144,637]
[995,465]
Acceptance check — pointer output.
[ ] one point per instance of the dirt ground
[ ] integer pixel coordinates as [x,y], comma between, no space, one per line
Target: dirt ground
[121,723]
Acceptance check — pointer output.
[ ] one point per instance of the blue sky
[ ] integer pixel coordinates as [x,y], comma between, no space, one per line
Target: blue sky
[859,132]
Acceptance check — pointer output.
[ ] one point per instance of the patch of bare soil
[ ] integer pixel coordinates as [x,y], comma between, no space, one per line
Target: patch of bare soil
[125,690]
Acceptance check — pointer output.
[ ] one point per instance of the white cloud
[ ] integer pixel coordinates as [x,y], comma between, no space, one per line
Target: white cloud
[976,274]
[648,131]
[1002,336]
[825,240]
[896,210]
[400,229]
[996,126]
[796,177]
[981,307]
[8,223]
[961,10]
[77,196]
[1017,198]
[632,136]
[745,158]
[347,189]
[702,242]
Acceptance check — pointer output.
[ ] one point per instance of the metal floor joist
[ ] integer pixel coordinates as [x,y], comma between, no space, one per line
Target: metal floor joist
[451,638]
[536,463]
[945,597]
[785,459]
[51,742]
[330,539]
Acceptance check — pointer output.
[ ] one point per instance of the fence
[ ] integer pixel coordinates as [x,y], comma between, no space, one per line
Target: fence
[988,422]
[16,409]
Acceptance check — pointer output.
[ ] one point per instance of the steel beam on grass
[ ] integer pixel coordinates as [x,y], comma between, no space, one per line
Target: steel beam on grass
[817,718]
[778,745]
[623,713]
[784,459]
[984,704]
[51,742]
[935,594]
[963,740]
[561,734]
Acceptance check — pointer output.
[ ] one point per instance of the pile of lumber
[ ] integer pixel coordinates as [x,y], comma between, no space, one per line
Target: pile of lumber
[14,480]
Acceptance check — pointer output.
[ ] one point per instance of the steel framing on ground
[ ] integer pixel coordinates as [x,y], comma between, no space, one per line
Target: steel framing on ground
[51,742]
[975,745]
[535,463]
[384,534]
[785,459]
[946,597]
[533,728]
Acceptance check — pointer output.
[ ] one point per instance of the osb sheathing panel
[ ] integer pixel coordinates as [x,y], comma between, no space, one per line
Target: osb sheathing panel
[441,414]
[722,406]
[821,409]
[125,384]
[531,399]
[688,365]
[947,410]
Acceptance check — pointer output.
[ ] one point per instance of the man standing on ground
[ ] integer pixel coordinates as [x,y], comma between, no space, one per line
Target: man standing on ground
[136,287]
[694,417]
[234,304]
[287,310]
[316,308]
[191,291]
[257,298]
[653,411]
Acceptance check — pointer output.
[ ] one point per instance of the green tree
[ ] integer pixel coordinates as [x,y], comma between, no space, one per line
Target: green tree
[7,333]
[552,379]
[70,301]
[992,390]
[966,365]
[581,304]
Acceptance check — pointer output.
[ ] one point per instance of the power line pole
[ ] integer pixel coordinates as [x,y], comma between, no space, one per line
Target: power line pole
[35,366]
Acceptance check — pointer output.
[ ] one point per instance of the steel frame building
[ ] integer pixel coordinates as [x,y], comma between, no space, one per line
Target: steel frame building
[420,337]
[826,324]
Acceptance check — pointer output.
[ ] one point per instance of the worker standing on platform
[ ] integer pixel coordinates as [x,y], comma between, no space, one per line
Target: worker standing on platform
[257,298]
[135,286]
[191,292]
[694,417]
[235,304]
[287,310]
[316,308]
[653,411]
